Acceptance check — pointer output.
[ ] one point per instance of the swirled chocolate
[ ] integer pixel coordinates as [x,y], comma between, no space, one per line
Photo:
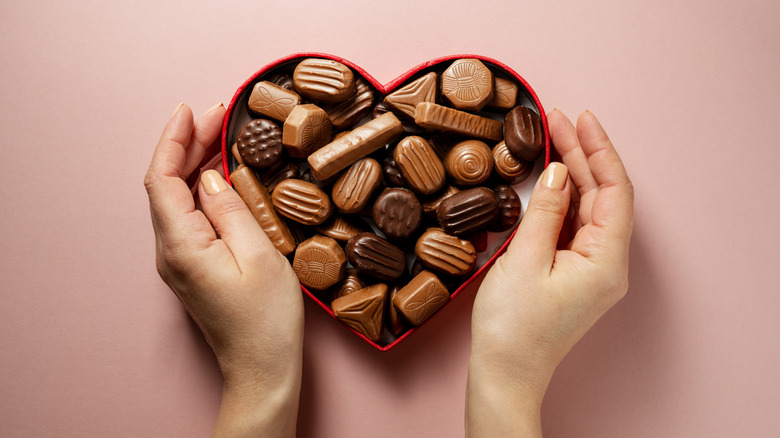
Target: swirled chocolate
[509,168]
[397,212]
[375,256]
[467,211]
[260,143]
[469,163]
[319,262]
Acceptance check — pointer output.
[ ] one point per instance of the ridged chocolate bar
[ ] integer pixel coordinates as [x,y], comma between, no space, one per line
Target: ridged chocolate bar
[433,116]
[467,211]
[445,253]
[421,167]
[324,80]
[302,202]
[376,256]
[346,114]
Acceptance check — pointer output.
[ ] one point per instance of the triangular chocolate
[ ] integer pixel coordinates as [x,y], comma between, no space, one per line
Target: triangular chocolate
[406,98]
[362,310]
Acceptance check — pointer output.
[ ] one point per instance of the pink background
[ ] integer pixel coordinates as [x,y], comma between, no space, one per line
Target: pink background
[94,344]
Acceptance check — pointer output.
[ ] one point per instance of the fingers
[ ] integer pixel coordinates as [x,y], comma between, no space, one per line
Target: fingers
[205,132]
[232,220]
[564,137]
[537,235]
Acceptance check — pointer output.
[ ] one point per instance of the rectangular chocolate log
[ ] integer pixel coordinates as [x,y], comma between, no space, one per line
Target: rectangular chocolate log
[354,145]
[442,118]
[259,202]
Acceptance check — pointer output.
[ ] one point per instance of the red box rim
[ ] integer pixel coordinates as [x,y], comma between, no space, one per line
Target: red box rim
[384,88]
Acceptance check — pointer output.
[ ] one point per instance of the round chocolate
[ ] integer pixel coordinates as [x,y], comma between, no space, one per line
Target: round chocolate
[260,143]
[509,168]
[523,133]
[508,208]
[391,172]
[397,212]
[469,163]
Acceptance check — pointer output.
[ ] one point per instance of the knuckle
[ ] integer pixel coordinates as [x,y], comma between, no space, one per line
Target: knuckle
[551,205]
[150,179]
[227,205]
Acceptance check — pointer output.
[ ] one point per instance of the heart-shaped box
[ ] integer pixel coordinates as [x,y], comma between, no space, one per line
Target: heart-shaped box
[237,115]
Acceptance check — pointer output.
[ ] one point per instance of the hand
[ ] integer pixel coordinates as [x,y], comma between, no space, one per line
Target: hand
[238,288]
[537,301]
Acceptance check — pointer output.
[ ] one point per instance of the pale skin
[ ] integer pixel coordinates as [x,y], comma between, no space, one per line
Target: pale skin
[535,303]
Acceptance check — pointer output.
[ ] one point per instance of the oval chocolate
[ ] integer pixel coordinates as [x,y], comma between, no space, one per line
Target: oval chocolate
[375,256]
[397,212]
[301,201]
[445,253]
[467,211]
[422,168]
[324,80]
[354,188]
[523,133]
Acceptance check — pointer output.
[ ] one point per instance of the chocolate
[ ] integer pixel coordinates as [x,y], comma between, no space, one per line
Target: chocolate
[342,228]
[319,262]
[259,202]
[363,310]
[523,133]
[508,208]
[403,100]
[350,283]
[272,100]
[421,298]
[324,80]
[375,256]
[431,205]
[354,188]
[283,80]
[378,110]
[479,239]
[236,154]
[355,145]
[306,129]
[397,212]
[391,172]
[346,114]
[433,116]
[509,168]
[325,184]
[467,211]
[469,163]
[445,253]
[394,321]
[467,84]
[282,171]
[504,94]
[260,143]
[422,169]
[302,202]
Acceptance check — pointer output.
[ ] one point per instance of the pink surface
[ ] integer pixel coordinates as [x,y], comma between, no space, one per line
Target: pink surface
[94,344]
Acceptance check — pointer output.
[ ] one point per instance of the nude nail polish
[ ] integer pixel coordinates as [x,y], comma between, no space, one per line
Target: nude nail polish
[554,177]
[177,109]
[215,107]
[212,182]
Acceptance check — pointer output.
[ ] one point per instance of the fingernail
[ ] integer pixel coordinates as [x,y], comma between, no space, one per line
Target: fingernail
[554,177]
[215,107]
[212,182]
[177,109]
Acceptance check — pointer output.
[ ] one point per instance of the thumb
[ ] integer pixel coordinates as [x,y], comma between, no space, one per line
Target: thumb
[537,235]
[232,220]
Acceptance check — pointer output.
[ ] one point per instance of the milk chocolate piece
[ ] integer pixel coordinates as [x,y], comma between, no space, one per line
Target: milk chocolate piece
[363,310]
[442,142]
[272,100]
[358,143]
[375,256]
[467,84]
[236,154]
[508,208]
[403,100]
[423,296]
[282,171]
[354,188]
[319,262]
[342,228]
[432,205]
[433,116]
[523,133]
[324,80]
[397,212]
[467,211]
[306,129]
[259,201]
[509,168]
[394,321]
[391,172]
[504,94]
[260,143]
[379,109]
[302,202]
[422,169]
[346,114]
[469,163]
[445,253]
[351,283]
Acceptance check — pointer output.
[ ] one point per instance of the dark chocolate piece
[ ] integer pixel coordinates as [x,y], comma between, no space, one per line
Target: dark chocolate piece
[423,296]
[283,80]
[378,110]
[375,256]
[523,133]
[319,262]
[508,208]
[325,184]
[391,172]
[397,212]
[343,227]
[260,143]
[346,114]
[280,172]
[467,211]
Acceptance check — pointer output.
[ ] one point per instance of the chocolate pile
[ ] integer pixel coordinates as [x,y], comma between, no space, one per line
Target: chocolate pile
[383,202]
